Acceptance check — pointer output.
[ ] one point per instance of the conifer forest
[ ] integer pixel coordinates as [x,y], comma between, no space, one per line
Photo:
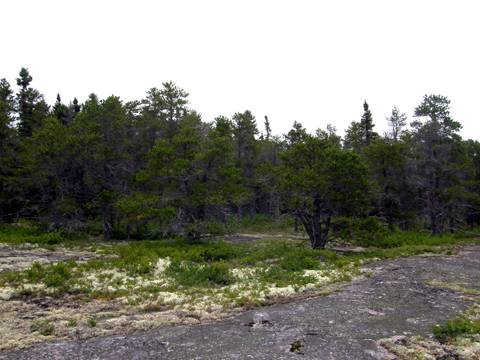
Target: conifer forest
[153,168]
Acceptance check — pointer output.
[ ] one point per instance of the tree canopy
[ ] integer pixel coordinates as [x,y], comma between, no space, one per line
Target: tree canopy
[154,166]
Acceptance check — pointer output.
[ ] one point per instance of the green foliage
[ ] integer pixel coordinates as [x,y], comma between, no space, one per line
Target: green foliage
[43,328]
[21,234]
[190,274]
[194,175]
[193,250]
[369,232]
[134,258]
[52,275]
[318,181]
[263,223]
[365,232]
[301,259]
[48,330]
[72,323]
[460,325]
[94,264]
[92,322]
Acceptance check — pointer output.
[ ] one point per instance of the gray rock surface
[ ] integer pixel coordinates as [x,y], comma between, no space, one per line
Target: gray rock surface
[342,325]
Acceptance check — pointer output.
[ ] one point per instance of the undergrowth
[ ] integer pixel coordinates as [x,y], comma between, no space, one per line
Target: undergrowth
[130,270]
[458,326]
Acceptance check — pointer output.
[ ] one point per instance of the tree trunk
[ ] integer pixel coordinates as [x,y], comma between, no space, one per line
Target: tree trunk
[433,224]
[106,228]
[106,225]
[129,231]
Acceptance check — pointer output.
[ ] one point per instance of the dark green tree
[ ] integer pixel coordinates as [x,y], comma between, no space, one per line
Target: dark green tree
[51,176]
[387,160]
[191,179]
[360,134]
[473,209]
[268,130]
[224,126]
[31,106]
[319,181]
[61,111]
[441,167]
[111,154]
[247,150]
[7,140]
[367,125]
[173,101]
[297,134]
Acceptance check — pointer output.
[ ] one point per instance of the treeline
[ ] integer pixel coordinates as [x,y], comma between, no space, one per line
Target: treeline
[154,164]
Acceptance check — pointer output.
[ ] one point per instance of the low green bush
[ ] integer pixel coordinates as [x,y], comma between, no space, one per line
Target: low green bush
[51,275]
[301,259]
[28,233]
[460,325]
[190,274]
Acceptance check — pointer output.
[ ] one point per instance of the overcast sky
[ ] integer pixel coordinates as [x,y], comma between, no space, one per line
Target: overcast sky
[311,61]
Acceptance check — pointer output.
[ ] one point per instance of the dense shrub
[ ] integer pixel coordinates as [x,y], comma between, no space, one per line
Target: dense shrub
[302,259]
[190,274]
[27,233]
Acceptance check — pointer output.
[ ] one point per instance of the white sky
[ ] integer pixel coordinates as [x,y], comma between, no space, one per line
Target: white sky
[311,61]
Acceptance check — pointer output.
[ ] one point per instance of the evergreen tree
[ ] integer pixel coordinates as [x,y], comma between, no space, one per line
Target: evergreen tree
[61,111]
[360,134]
[224,126]
[439,162]
[330,134]
[367,125]
[173,106]
[51,176]
[7,109]
[162,111]
[76,107]
[268,130]
[31,106]
[110,159]
[319,181]
[396,122]
[295,135]
[387,163]
[190,179]
[247,150]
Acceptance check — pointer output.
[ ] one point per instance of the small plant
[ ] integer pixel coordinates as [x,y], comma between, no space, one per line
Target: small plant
[92,322]
[48,330]
[43,328]
[461,325]
[295,346]
[300,259]
[189,274]
[72,323]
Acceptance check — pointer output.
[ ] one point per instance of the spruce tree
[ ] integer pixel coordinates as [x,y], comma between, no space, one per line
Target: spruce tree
[441,167]
[360,134]
[367,125]
[7,109]
[31,106]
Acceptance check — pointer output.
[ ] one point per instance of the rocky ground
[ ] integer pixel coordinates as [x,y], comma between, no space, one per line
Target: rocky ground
[382,316]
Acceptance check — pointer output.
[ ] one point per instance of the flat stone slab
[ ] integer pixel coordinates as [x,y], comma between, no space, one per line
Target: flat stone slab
[397,300]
